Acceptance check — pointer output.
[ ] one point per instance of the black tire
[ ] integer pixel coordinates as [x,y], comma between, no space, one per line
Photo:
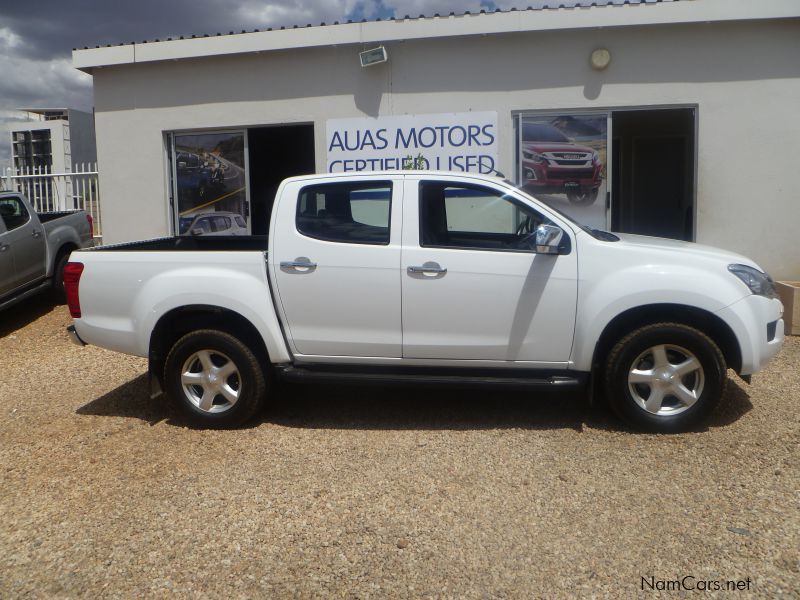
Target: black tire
[249,381]
[583,197]
[681,345]
[58,277]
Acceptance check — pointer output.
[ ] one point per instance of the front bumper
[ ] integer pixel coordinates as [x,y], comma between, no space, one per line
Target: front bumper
[758,325]
[539,175]
[74,337]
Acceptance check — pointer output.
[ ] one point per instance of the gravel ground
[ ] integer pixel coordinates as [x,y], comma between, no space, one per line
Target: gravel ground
[361,492]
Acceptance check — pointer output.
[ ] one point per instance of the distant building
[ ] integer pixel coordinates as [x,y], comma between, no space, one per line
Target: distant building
[52,141]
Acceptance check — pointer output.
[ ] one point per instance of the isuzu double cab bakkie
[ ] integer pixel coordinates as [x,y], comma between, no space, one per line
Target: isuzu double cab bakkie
[433,278]
[35,247]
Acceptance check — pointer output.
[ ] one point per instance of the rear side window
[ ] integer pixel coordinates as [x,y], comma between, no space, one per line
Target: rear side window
[352,213]
[13,213]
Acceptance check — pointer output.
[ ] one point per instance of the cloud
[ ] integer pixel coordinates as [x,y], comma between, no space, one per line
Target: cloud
[26,82]
[295,13]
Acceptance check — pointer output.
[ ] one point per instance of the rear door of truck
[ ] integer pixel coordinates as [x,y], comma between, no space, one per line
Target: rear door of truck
[335,260]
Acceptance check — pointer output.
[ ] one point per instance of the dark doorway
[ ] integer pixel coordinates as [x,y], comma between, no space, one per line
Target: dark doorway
[653,172]
[275,153]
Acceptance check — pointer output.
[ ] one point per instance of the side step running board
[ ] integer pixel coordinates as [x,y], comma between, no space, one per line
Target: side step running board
[314,375]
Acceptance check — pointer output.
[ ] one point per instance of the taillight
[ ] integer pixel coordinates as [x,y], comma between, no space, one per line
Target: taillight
[91,226]
[72,277]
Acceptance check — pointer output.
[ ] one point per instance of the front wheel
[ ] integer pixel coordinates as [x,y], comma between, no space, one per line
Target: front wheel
[214,378]
[665,377]
[585,197]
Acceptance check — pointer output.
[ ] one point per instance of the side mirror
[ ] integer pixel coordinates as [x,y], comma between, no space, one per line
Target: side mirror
[181,164]
[197,231]
[548,239]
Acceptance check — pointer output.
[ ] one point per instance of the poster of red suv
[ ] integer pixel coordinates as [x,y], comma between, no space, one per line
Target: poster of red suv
[562,162]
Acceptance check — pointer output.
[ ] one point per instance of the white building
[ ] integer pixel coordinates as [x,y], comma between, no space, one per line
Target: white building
[50,140]
[670,118]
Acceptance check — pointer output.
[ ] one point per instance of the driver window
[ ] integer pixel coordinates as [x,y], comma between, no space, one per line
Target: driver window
[466,216]
[13,213]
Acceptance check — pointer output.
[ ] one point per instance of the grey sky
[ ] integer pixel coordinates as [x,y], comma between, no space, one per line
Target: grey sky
[37,37]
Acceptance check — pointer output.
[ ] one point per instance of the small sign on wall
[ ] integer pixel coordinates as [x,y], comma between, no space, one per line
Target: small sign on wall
[445,142]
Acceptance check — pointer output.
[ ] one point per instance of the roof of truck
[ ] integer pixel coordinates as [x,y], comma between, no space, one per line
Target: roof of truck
[397,173]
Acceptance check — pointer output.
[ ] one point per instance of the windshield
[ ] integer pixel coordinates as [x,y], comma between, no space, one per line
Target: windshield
[596,233]
[183,224]
[536,132]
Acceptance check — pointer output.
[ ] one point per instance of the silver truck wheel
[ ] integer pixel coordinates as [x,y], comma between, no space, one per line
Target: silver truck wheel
[211,381]
[214,378]
[665,377]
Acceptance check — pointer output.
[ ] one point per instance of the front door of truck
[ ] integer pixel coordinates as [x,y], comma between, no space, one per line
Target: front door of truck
[25,240]
[336,258]
[473,286]
[6,263]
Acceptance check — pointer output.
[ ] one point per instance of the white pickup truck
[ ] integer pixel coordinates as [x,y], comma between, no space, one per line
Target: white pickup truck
[34,247]
[433,278]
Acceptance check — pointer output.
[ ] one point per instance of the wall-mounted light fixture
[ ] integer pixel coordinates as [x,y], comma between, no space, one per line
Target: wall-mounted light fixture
[600,59]
[372,57]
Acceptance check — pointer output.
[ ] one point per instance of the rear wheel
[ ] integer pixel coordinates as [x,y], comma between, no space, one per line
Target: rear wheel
[58,277]
[215,379]
[666,377]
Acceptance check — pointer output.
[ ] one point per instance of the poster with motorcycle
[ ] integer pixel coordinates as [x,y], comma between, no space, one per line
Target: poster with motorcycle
[211,183]
[562,162]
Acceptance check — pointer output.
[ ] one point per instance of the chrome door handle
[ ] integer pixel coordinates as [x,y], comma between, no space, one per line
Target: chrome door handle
[428,269]
[36,233]
[298,263]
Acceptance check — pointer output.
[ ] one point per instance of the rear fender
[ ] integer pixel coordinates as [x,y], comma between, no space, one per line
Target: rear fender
[239,292]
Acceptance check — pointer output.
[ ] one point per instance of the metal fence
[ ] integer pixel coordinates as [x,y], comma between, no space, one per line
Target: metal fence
[77,189]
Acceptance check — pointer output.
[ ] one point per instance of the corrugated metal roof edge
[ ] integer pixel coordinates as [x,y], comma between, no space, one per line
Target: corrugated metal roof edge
[545,7]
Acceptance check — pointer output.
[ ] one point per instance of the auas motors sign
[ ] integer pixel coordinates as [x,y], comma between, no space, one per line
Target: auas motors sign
[446,142]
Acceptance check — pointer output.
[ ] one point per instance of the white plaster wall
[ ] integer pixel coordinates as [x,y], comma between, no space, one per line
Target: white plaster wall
[744,78]
[81,131]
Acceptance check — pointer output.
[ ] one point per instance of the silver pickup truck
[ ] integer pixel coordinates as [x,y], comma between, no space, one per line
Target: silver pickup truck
[35,247]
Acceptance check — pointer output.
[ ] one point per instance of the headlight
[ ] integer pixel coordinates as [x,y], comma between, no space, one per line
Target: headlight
[759,283]
[534,156]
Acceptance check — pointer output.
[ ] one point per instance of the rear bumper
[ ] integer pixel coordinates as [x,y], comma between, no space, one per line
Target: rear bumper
[74,337]
[757,323]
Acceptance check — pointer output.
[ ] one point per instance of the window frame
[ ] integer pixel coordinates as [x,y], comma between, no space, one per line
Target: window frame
[6,229]
[500,194]
[354,186]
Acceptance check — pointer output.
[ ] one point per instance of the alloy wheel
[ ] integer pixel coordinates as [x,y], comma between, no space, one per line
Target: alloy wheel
[211,381]
[666,380]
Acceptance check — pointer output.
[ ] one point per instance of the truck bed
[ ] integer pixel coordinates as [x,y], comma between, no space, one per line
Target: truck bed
[210,243]
[45,217]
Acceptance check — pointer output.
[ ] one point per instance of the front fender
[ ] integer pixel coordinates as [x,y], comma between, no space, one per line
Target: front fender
[603,299]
